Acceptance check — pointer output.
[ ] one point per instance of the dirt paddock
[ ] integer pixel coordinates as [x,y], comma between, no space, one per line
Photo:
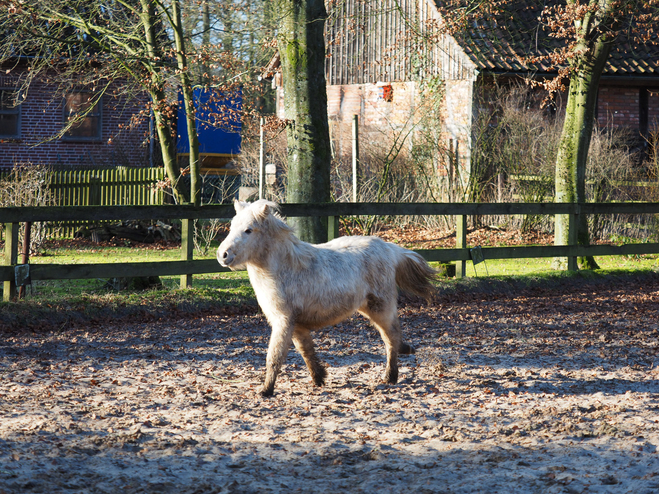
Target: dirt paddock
[542,390]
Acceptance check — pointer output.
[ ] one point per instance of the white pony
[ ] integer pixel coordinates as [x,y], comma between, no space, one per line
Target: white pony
[301,287]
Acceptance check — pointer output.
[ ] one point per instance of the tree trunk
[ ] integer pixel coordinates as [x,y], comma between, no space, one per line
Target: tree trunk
[167,145]
[161,115]
[188,102]
[302,50]
[205,77]
[576,134]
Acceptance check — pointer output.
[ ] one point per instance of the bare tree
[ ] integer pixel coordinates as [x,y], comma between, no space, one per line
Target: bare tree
[152,46]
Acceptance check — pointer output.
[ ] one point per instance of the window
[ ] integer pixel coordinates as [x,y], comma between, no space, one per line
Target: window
[10,113]
[86,114]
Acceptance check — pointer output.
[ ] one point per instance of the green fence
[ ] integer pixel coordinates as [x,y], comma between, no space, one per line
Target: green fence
[120,186]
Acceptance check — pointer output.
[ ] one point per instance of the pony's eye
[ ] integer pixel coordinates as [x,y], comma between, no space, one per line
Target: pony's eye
[248,231]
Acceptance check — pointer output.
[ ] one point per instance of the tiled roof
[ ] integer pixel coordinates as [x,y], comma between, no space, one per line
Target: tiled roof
[508,41]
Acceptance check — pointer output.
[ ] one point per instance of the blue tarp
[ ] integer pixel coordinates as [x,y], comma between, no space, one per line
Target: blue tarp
[218,122]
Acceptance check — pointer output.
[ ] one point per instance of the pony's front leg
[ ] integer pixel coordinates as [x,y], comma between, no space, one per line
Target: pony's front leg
[280,342]
[304,344]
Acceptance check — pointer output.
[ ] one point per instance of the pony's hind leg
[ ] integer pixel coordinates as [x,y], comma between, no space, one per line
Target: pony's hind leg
[386,322]
[304,344]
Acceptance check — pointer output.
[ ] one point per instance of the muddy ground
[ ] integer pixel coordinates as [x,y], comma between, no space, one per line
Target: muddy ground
[540,390]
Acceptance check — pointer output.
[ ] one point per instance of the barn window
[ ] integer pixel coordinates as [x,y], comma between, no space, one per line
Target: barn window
[10,113]
[83,112]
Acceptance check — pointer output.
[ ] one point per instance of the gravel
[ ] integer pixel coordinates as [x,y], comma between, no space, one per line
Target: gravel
[530,391]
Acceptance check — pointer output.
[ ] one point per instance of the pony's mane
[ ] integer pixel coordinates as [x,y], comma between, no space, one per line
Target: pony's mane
[275,221]
[298,254]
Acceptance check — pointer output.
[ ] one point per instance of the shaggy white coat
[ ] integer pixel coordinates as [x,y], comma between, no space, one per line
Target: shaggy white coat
[301,287]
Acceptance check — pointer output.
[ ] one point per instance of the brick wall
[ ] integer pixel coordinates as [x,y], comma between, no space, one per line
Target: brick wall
[368,101]
[379,118]
[653,110]
[121,142]
[618,106]
[386,112]
[379,114]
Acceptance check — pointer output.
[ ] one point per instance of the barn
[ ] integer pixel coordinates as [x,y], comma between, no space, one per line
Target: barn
[384,64]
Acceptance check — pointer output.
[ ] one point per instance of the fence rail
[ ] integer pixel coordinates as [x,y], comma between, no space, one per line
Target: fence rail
[187,266]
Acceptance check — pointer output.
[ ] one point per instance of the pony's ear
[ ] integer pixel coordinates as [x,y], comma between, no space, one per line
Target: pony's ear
[239,206]
[263,211]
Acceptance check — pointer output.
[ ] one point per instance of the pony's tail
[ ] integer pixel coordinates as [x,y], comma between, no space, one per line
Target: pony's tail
[414,275]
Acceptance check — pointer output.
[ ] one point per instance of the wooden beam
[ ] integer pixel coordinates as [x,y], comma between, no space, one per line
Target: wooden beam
[573,239]
[42,272]
[539,251]
[461,244]
[205,266]
[333,226]
[10,261]
[77,213]
[187,248]
[97,213]
[355,158]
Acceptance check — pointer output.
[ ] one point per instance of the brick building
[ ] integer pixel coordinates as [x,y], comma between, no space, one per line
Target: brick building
[112,133]
[381,57]
[629,87]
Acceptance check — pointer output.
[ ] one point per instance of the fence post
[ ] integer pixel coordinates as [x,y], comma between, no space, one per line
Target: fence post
[355,158]
[262,160]
[573,236]
[461,243]
[187,246]
[332,227]
[11,259]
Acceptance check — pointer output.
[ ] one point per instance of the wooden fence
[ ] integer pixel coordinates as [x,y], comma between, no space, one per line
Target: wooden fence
[102,187]
[187,266]
[106,187]
[109,187]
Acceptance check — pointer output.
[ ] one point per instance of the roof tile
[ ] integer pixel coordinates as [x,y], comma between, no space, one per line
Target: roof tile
[508,41]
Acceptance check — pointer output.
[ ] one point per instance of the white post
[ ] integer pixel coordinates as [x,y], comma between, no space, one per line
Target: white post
[262,161]
[355,158]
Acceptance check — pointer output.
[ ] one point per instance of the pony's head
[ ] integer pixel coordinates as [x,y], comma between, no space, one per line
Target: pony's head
[252,231]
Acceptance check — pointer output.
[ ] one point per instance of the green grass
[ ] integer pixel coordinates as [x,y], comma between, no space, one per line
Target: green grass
[96,255]
[86,254]
[522,267]
[237,282]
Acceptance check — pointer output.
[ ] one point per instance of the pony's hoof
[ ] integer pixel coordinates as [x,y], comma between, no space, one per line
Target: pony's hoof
[319,377]
[406,349]
[266,393]
[391,377]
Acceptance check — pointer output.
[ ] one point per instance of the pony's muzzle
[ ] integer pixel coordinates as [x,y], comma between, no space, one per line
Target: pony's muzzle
[225,257]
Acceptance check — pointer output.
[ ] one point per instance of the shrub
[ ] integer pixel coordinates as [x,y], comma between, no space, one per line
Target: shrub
[28,185]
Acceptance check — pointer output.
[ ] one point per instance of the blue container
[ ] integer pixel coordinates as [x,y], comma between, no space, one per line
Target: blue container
[218,117]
